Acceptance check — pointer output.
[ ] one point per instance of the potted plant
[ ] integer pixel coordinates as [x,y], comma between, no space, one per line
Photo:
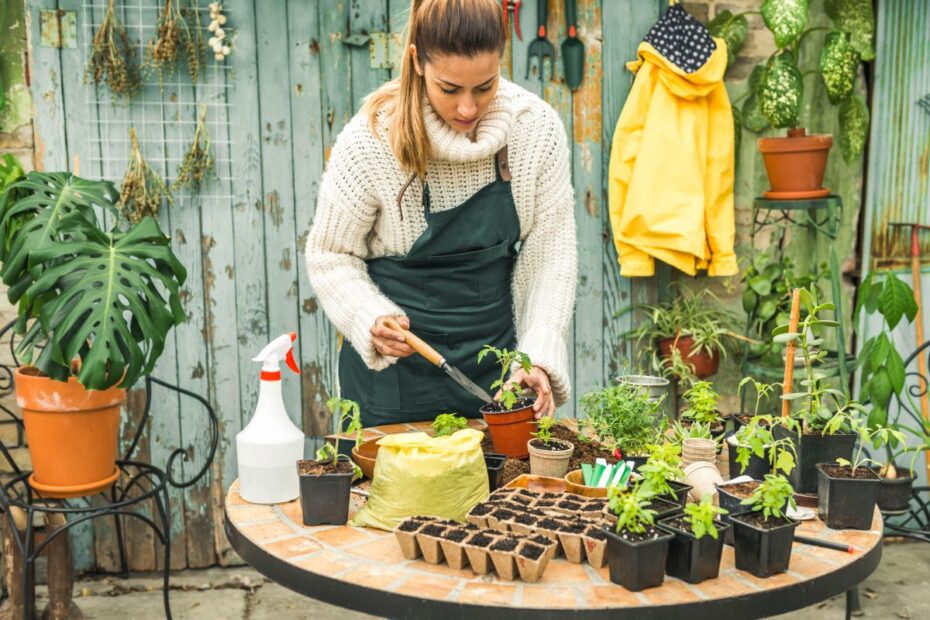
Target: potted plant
[662,473]
[825,412]
[511,420]
[702,400]
[758,452]
[847,491]
[686,335]
[795,164]
[548,456]
[325,483]
[763,392]
[894,493]
[694,553]
[636,549]
[94,307]
[763,536]
[623,417]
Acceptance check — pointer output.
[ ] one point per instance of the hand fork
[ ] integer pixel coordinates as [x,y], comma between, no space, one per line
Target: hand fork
[540,47]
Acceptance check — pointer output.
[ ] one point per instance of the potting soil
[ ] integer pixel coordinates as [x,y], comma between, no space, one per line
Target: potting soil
[758,520]
[596,533]
[456,535]
[508,543]
[410,525]
[841,471]
[481,509]
[651,533]
[539,539]
[479,540]
[318,468]
[531,551]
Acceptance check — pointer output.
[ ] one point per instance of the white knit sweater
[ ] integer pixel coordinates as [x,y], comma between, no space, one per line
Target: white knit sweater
[357,219]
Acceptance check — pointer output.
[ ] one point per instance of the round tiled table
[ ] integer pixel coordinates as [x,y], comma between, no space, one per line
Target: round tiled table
[363,569]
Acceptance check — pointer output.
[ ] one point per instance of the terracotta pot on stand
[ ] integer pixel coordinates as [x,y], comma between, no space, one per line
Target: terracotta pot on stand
[795,164]
[705,364]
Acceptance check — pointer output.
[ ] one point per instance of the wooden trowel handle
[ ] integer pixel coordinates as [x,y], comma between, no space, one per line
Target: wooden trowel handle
[416,343]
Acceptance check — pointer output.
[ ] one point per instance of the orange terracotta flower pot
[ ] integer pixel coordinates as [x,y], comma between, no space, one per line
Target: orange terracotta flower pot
[704,363]
[72,434]
[795,164]
[511,431]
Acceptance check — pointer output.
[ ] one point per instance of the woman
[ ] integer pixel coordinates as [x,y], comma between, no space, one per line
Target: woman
[447,206]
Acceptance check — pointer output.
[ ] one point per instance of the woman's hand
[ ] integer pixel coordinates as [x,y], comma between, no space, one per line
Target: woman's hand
[387,341]
[538,381]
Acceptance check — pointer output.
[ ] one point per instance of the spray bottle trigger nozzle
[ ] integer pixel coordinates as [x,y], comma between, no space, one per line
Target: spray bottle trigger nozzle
[291,362]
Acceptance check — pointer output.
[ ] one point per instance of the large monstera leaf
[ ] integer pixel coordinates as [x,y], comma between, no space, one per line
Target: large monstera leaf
[34,222]
[104,302]
[857,17]
[854,127]
[732,29]
[839,62]
[786,19]
[781,90]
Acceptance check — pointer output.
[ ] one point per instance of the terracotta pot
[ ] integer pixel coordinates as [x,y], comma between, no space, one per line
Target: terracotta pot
[574,481]
[551,463]
[72,434]
[704,363]
[511,431]
[365,456]
[795,164]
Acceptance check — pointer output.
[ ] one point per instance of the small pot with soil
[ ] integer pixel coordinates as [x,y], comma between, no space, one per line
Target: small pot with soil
[763,546]
[690,558]
[729,497]
[498,519]
[567,507]
[813,448]
[847,497]
[549,527]
[476,548]
[324,490]
[511,420]
[894,492]
[531,561]
[406,535]
[636,561]
[549,458]
[570,533]
[428,538]
[522,523]
[478,515]
[546,543]
[594,541]
[453,546]
[502,555]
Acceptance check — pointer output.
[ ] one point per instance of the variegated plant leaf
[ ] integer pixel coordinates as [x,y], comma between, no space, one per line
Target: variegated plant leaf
[839,62]
[786,19]
[857,17]
[854,127]
[781,90]
[732,29]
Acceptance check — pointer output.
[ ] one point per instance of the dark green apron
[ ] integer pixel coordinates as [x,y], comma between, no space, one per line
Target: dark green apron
[454,285]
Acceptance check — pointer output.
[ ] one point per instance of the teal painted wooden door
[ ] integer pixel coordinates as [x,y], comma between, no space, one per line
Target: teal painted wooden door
[297,74]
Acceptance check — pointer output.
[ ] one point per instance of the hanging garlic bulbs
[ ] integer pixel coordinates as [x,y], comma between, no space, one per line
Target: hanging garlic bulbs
[221,39]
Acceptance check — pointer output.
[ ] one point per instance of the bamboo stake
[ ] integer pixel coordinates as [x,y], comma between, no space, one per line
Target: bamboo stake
[788,387]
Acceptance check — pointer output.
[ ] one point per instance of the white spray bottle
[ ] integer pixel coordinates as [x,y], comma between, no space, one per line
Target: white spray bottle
[269,447]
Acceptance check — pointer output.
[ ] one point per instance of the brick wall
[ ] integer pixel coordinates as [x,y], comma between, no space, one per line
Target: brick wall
[759,43]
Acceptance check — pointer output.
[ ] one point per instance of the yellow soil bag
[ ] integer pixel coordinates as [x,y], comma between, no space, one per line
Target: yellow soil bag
[416,474]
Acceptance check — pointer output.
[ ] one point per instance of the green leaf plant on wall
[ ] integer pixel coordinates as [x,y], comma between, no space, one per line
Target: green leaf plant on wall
[776,88]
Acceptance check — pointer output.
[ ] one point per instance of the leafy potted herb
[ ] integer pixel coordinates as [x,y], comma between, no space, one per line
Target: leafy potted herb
[847,491]
[795,164]
[763,536]
[447,423]
[548,457]
[637,549]
[702,400]
[686,335]
[757,450]
[662,472]
[325,483]
[95,306]
[825,412]
[694,553]
[511,420]
[624,417]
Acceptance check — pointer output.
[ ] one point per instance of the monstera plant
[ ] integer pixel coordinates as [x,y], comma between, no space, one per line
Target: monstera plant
[776,86]
[95,304]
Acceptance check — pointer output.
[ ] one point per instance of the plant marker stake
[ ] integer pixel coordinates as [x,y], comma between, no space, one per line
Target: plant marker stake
[788,387]
[826,544]
[587,471]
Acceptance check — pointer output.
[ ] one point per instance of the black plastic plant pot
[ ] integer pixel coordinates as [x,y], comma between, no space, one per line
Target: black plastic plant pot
[846,503]
[894,494]
[690,558]
[638,461]
[495,465]
[732,504]
[325,499]
[637,565]
[812,449]
[762,551]
[680,496]
[756,469]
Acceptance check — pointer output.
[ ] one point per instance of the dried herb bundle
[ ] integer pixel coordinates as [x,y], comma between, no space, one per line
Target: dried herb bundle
[112,58]
[178,33]
[143,190]
[199,158]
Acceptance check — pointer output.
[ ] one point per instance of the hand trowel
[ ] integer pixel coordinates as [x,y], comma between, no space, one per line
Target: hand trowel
[434,357]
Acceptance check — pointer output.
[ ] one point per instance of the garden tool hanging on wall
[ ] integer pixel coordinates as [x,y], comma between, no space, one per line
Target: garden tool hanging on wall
[511,6]
[670,180]
[572,49]
[540,48]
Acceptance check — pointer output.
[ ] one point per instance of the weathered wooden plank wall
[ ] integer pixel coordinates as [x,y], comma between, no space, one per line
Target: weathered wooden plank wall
[296,77]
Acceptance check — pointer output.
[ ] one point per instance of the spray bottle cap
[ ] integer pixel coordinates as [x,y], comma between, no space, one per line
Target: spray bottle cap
[276,350]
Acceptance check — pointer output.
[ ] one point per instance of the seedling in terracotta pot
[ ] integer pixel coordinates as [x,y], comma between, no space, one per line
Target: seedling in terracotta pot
[694,553]
[548,457]
[326,482]
[636,549]
[447,423]
[511,420]
[763,536]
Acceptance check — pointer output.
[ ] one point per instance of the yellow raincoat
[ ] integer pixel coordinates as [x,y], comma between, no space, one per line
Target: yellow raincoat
[671,168]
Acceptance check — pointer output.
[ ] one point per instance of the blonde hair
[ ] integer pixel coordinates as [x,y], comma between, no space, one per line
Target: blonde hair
[435,27]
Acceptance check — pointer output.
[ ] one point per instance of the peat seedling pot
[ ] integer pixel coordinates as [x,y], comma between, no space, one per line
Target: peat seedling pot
[704,363]
[495,465]
[549,459]
[814,448]
[763,548]
[894,494]
[846,502]
[635,562]
[324,491]
[511,430]
[690,558]
[730,496]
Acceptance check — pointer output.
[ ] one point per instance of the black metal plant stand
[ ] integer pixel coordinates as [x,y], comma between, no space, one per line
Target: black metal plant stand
[138,483]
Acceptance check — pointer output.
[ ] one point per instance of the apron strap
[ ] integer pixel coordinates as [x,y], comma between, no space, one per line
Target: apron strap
[503,165]
[400,195]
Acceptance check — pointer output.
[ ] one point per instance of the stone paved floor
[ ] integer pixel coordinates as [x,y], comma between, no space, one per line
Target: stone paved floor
[899,589]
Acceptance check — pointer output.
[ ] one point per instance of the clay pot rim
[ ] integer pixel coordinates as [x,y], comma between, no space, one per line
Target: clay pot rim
[555,454]
[800,144]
